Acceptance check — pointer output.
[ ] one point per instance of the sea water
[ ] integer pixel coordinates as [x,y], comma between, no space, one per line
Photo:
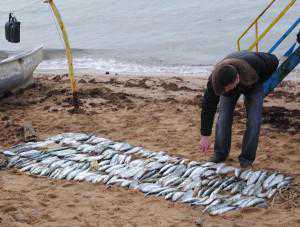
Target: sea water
[143,36]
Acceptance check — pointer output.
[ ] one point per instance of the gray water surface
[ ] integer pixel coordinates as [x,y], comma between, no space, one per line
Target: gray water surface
[142,36]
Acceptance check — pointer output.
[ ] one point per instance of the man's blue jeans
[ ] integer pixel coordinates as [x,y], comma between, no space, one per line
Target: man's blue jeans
[253,104]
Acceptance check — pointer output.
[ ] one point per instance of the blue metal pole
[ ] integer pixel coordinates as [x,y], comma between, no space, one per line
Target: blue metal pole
[284,35]
[282,71]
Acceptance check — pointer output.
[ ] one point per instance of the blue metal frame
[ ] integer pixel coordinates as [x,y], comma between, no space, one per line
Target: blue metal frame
[284,35]
[283,70]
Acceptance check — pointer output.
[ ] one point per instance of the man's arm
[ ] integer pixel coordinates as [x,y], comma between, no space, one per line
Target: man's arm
[209,108]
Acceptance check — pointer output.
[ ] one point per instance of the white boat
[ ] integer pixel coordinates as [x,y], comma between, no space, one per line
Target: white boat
[16,72]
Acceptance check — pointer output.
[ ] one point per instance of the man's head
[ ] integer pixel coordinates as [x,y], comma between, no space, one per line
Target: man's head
[224,78]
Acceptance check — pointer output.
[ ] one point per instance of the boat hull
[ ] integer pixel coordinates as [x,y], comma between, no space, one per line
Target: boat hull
[17,72]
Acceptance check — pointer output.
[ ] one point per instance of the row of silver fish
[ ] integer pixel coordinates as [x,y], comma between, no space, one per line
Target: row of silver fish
[83,157]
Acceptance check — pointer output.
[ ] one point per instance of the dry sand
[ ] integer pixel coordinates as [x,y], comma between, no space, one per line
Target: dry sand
[159,113]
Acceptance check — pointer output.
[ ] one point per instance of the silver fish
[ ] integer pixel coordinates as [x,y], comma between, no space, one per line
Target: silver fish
[54,173]
[139,173]
[133,185]
[104,163]
[209,173]
[204,182]
[45,171]
[225,170]
[107,178]
[49,161]
[227,182]
[28,167]
[278,179]
[169,195]
[176,196]
[114,160]
[189,200]
[268,180]
[154,166]
[187,196]
[114,180]
[189,171]
[185,183]
[209,200]
[133,150]
[114,167]
[163,169]
[180,170]
[218,166]
[289,178]
[85,176]
[166,191]
[254,177]
[146,187]
[222,210]
[271,192]
[201,191]
[208,164]
[214,203]
[283,184]
[103,168]
[148,174]
[30,154]
[245,173]
[8,153]
[125,183]
[212,182]
[255,201]
[73,174]
[192,164]
[127,159]
[262,178]
[197,172]
[169,180]
[176,182]
[200,201]
[121,147]
[170,170]
[241,202]
[65,172]
[237,172]
[191,185]
[247,189]
[230,186]
[156,190]
[254,190]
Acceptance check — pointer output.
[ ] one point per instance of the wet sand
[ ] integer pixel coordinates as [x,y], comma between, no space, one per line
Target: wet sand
[159,113]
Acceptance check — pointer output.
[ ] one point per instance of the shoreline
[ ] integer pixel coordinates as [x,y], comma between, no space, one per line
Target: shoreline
[293,76]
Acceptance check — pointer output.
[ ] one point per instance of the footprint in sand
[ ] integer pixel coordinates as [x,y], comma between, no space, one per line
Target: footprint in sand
[43,204]
[48,218]
[250,210]
[67,185]
[52,196]
[8,208]
[19,217]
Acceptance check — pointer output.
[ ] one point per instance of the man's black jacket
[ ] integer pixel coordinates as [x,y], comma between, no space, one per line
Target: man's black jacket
[263,63]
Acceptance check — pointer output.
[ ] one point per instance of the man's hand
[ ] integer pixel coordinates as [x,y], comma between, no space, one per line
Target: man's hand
[204,144]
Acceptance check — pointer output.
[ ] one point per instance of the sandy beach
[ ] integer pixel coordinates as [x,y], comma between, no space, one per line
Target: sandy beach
[160,113]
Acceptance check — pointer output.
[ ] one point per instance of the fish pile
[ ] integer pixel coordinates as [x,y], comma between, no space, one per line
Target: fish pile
[82,157]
